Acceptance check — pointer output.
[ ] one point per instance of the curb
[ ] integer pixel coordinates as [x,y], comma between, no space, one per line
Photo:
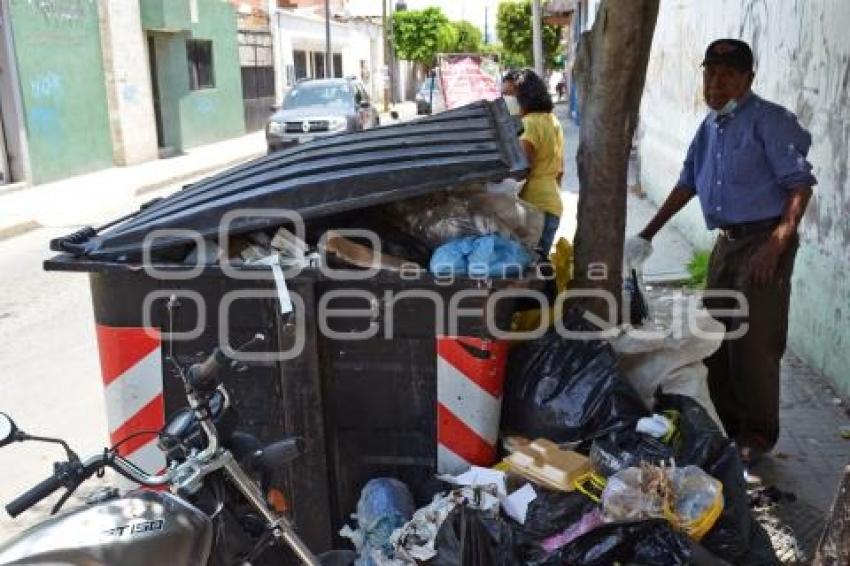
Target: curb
[18,229]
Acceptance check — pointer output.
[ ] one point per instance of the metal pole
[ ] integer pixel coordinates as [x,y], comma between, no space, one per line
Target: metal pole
[537,37]
[486,27]
[385,77]
[328,59]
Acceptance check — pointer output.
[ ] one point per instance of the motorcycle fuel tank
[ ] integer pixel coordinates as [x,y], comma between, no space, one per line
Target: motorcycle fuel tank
[139,529]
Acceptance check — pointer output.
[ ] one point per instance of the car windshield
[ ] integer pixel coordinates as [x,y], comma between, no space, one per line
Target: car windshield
[318,95]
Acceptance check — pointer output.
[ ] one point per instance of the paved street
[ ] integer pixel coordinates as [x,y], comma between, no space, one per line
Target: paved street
[49,368]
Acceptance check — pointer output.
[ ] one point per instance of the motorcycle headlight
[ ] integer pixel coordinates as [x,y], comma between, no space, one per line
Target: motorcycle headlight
[275,128]
[337,124]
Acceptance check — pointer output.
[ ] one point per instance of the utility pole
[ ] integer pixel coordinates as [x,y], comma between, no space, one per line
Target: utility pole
[385,76]
[486,27]
[537,37]
[328,59]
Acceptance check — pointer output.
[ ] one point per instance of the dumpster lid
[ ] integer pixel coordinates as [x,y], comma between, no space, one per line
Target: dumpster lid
[477,142]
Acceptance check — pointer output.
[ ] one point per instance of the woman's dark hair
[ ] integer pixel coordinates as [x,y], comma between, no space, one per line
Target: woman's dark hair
[532,94]
[511,75]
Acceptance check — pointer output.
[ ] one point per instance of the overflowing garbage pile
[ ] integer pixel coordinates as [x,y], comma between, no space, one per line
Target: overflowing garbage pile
[589,474]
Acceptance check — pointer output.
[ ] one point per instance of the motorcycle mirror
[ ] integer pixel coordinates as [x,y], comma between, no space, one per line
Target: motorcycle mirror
[8,430]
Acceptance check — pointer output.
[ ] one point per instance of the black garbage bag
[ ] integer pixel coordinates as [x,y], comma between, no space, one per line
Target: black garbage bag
[551,513]
[624,449]
[470,537]
[736,537]
[650,543]
[567,389]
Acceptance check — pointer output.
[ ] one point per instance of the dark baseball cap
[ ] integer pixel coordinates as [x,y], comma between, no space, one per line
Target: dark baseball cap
[732,52]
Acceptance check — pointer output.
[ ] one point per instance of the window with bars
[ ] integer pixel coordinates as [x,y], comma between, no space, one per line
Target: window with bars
[200,56]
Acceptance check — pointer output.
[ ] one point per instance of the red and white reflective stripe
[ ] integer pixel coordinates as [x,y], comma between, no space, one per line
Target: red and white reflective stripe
[131,364]
[470,380]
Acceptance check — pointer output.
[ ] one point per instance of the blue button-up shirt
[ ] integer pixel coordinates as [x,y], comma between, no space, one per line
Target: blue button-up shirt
[741,165]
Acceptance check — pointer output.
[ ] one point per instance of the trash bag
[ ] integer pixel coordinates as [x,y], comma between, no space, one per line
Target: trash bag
[385,505]
[567,390]
[649,543]
[624,449]
[471,537]
[549,514]
[480,256]
[688,498]
[437,218]
[670,357]
[736,537]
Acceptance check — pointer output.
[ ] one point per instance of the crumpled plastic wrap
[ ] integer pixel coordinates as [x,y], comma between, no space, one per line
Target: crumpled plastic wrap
[687,497]
[415,541]
[441,217]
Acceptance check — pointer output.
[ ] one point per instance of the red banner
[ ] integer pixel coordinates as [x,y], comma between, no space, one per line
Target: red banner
[467,78]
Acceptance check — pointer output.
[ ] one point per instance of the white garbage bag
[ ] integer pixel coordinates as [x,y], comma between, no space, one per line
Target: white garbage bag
[670,356]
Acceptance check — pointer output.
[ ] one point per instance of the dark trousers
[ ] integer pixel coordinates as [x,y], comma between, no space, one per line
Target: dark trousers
[743,375]
[547,239]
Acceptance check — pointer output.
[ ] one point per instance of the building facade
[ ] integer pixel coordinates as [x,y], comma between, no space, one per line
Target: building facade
[193,55]
[802,51]
[356,47]
[88,84]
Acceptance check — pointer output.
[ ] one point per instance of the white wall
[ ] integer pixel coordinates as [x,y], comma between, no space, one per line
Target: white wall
[802,50]
[128,82]
[356,42]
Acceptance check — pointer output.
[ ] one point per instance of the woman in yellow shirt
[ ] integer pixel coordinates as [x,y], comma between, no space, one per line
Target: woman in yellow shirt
[543,143]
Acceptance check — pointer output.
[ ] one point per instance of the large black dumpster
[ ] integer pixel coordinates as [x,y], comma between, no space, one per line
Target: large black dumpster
[366,407]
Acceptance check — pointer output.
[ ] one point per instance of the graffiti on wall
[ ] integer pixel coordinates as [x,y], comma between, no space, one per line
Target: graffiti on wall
[71,13]
[46,85]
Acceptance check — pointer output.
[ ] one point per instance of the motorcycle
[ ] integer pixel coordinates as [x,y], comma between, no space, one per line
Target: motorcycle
[215,509]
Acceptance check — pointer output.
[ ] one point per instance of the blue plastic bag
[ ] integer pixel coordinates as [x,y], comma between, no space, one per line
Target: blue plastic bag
[385,505]
[480,256]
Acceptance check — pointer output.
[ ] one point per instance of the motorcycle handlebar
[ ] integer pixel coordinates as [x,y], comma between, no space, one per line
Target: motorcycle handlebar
[203,375]
[34,495]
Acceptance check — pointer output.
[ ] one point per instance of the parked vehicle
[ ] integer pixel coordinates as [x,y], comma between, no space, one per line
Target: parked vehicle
[318,108]
[216,510]
[429,97]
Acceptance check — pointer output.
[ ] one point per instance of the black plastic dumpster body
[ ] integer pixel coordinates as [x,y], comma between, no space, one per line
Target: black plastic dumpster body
[366,406]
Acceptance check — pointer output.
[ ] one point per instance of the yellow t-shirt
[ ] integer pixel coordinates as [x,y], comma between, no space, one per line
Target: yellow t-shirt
[544,133]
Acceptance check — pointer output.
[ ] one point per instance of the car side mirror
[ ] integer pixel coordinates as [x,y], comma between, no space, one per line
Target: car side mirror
[364,104]
[274,107]
[8,430]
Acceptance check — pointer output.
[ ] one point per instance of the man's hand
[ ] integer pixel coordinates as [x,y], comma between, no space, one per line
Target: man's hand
[764,262]
[675,201]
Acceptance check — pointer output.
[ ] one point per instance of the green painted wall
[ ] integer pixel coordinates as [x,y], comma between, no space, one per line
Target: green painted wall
[165,14]
[192,118]
[58,52]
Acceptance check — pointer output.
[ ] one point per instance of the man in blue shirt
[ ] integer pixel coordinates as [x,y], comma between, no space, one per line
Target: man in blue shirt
[747,165]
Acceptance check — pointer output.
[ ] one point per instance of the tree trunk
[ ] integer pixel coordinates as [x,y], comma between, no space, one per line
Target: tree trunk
[610,73]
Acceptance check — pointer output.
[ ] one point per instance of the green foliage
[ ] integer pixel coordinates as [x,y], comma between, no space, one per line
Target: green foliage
[418,35]
[698,269]
[468,38]
[513,24]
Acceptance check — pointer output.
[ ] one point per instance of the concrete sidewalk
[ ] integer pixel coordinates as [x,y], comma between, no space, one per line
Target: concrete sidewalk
[83,199]
[667,266]
[808,461]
